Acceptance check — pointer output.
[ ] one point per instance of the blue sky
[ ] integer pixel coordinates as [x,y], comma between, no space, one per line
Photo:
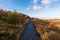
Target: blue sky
[44,9]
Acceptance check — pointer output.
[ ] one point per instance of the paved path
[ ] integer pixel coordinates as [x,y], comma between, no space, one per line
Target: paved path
[29,32]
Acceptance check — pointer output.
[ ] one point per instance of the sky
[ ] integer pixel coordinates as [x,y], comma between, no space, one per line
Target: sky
[44,9]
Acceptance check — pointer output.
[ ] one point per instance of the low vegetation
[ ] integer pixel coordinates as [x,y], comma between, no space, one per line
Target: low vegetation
[47,29]
[12,24]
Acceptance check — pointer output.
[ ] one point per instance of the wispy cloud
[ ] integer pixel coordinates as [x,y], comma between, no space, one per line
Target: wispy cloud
[35,1]
[27,8]
[36,8]
[47,3]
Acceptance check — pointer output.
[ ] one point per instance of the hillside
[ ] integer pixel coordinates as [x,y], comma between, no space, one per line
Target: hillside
[12,24]
[47,29]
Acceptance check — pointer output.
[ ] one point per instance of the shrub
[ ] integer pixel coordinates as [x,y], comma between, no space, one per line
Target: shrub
[12,19]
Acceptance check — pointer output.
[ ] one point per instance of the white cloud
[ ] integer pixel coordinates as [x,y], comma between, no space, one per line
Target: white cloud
[36,8]
[27,8]
[46,2]
[35,1]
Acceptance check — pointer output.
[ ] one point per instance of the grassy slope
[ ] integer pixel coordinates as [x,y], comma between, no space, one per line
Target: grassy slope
[47,29]
[11,24]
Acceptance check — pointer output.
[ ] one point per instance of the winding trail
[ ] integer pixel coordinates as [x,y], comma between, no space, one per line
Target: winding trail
[29,32]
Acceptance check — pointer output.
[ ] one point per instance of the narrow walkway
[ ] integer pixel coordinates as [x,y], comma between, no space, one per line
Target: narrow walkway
[29,32]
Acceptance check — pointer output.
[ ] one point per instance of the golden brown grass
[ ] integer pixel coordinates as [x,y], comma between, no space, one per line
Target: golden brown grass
[47,29]
[12,24]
